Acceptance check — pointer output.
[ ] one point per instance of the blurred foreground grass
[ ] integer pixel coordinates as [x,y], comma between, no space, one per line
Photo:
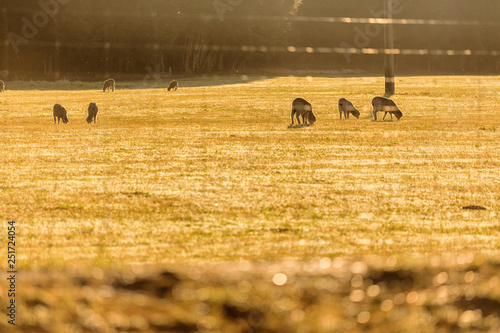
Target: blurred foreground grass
[440,294]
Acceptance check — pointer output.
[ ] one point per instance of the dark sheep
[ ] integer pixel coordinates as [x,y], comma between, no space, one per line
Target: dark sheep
[93,109]
[347,108]
[302,108]
[382,104]
[60,113]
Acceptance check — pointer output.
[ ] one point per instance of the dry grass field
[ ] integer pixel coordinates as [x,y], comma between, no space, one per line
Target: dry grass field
[211,173]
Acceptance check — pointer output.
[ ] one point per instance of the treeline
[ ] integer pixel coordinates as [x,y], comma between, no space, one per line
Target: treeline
[90,39]
[467,35]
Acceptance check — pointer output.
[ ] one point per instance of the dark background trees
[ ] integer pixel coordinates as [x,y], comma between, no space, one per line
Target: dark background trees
[89,39]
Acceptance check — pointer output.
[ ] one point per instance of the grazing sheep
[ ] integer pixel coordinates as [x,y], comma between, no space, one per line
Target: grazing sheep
[301,107]
[109,84]
[60,113]
[2,86]
[173,85]
[92,113]
[386,105]
[347,107]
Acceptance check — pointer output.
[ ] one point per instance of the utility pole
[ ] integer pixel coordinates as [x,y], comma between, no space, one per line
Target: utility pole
[390,87]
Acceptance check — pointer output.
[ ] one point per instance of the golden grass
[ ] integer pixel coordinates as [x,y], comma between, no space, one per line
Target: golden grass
[212,173]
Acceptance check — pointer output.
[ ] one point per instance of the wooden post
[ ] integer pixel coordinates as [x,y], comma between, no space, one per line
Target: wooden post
[390,87]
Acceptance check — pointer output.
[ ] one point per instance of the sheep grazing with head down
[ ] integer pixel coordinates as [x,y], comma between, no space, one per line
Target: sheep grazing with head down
[109,84]
[92,111]
[302,108]
[60,113]
[382,104]
[173,85]
[347,108]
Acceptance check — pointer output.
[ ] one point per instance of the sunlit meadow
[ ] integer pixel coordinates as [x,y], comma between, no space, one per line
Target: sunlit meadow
[201,211]
[211,172]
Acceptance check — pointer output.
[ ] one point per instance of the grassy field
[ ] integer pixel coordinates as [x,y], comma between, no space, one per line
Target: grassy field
[200,211]
[212,173]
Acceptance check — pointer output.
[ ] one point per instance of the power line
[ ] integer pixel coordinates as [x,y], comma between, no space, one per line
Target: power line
[275,49]
[364,20]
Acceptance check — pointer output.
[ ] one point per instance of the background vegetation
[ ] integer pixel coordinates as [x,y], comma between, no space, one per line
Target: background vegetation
[92,39]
